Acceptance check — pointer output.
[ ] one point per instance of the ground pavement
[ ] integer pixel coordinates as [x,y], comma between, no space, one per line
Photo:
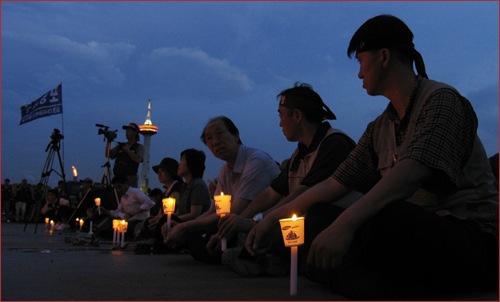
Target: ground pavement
[47,267]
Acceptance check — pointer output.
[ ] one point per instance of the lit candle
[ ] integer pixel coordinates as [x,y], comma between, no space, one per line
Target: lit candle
[123,230]
[223,207]
[47,220]
[51,225]
[168,208]
[118,234]
[98,204]
[292,230]
[81,224]
[116,225]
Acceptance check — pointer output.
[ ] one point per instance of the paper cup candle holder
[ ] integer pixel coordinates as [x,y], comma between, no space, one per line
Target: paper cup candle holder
[223,207]
[168,208]
[116,230]
[123,229]
[292,230]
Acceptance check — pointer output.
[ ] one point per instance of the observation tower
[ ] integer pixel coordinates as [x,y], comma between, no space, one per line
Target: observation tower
[147,130]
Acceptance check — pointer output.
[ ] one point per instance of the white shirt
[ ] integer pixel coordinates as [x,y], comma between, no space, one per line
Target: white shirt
[130,202]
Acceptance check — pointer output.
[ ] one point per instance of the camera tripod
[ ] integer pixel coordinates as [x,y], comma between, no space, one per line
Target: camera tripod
[106,179]
[54,147]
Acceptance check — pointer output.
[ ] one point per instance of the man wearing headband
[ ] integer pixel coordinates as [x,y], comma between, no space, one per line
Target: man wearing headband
[128,155]
[428,221]
[320,150]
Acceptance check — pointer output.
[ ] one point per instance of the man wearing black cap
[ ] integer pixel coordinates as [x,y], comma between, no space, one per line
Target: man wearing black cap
[128,155]
[428,221]
[320,150]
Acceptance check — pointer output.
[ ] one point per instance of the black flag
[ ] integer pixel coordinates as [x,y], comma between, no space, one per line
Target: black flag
[48,104]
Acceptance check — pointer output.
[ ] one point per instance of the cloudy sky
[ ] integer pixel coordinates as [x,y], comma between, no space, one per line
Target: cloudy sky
[198,60]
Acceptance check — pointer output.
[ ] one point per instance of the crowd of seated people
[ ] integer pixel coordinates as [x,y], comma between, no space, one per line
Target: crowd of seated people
[412,208]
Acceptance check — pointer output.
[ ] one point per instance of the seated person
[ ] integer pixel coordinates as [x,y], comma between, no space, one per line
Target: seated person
[56,209]
[167,175]
[246,172]
[134,205]
[194,198]
[428,221]
[320,150]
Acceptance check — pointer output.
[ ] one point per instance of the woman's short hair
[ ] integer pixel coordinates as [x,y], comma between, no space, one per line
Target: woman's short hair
[195,160]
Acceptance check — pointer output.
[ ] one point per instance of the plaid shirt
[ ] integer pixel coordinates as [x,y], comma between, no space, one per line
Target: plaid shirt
[443,140]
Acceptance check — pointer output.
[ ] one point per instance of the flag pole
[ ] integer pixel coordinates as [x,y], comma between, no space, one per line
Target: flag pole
[62,126]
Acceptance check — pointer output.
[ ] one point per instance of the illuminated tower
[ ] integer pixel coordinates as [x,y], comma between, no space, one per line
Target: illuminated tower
[147,130]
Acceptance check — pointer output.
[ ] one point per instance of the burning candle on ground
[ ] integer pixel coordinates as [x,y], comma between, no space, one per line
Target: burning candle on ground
[123,230]
[116,227]
[292,230]
[223,207]
[47,221]
[168,208]
[81,224]
[98,204]
[51,225]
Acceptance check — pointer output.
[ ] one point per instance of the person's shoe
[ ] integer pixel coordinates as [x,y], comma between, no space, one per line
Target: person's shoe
[61,227]
[245,268]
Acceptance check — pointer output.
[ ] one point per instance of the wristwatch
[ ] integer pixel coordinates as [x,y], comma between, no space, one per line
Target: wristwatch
[258,217]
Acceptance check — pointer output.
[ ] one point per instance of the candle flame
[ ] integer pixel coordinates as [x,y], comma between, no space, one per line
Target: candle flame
[294,217]
[123,221]
[75,173]
[221,193]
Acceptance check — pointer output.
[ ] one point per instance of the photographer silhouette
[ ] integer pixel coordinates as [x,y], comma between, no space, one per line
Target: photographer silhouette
[127,155]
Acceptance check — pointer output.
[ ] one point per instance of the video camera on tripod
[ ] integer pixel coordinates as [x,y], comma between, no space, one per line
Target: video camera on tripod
[110,135]
[55,137]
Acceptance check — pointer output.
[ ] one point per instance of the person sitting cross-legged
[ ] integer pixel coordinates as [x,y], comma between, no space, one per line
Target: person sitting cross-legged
[320,150]
[134,205]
